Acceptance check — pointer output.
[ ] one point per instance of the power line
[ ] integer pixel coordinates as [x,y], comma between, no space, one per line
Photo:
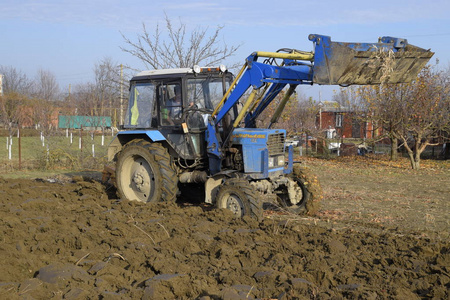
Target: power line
[75,76]
[425,35]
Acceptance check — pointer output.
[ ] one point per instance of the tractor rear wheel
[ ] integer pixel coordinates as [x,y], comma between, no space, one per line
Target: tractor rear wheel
[144,173]
[240,197]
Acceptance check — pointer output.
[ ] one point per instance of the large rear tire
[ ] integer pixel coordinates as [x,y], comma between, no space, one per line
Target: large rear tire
[238,196]
[144,173]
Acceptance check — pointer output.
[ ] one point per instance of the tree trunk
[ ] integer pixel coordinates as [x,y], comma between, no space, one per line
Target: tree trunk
[413,159]
[416,161]
[394,146]
[413,153]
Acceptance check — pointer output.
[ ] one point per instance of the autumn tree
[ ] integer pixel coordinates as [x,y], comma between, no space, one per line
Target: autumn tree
[414,113]
[298,117]
[384,105]
[426,113]
[16,91]
[176,47]
[265,118]
[11,110]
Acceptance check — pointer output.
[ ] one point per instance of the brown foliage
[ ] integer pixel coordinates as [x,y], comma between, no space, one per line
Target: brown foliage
[415,113]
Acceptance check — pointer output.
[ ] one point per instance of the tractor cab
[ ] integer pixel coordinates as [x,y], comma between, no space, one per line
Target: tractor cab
[177,103]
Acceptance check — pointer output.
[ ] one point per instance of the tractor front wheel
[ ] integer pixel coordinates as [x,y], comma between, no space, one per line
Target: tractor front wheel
[303,194]
[238,196]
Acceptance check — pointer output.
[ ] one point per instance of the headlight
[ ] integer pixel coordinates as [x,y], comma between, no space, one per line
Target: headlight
[276,161]
[196,69]
[271,162]
[222,68]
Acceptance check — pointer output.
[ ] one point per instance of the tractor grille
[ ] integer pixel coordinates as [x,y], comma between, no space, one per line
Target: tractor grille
[275,144]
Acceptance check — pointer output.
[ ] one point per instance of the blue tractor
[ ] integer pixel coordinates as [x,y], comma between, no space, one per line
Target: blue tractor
[194,129]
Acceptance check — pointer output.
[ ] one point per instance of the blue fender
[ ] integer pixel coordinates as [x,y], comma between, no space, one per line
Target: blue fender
[123,137]
[153,135]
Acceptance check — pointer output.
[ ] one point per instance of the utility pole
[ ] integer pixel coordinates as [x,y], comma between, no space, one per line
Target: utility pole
[320,110]
[121,94]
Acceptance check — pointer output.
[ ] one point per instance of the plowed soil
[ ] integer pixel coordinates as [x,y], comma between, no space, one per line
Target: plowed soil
[70,238]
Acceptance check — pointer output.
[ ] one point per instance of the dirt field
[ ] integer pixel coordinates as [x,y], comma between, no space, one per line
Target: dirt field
[382,233]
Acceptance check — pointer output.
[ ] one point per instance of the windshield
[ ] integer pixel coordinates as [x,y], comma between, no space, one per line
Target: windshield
[205,93]
[140,106]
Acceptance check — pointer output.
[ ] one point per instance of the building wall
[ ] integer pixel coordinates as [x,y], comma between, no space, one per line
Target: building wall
[77,122]
[345,125]
[28,117]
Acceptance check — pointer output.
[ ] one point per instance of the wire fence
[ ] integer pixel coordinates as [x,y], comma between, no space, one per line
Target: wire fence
[87,150]
[62,149]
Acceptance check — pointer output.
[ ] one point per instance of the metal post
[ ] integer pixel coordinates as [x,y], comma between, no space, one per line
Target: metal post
[1,85]
[121,94]
[20,147]
[81,139]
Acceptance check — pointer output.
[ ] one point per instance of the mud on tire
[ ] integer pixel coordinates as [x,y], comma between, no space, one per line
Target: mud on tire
[144,173]
[240,197]
[311,188]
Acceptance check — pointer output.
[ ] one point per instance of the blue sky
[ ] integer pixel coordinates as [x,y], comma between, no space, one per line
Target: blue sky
[69,37]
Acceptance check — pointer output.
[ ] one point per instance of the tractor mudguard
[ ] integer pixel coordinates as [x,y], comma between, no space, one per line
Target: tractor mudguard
[123,137]
[154,135]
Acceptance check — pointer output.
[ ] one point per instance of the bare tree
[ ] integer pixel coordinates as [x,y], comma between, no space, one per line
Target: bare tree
[43,108]
[107,86]
[82,99]
[44,113]
[45,86]
[347,97]
[98,98]
[15,81]
[308,109]
[179,48]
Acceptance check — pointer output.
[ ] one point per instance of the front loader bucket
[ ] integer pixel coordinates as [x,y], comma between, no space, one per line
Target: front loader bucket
[391,60]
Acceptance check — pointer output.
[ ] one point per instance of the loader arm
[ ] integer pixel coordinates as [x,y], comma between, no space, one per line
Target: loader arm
[257,74]
[331,63]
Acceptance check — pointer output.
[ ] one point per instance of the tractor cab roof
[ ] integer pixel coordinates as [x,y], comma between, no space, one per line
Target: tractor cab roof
[160,72]
[177,72]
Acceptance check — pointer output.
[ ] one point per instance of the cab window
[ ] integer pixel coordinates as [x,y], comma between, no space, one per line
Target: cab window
[141,106]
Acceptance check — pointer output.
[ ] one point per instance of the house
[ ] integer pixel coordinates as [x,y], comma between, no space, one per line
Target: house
[30,116]
[343,122]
